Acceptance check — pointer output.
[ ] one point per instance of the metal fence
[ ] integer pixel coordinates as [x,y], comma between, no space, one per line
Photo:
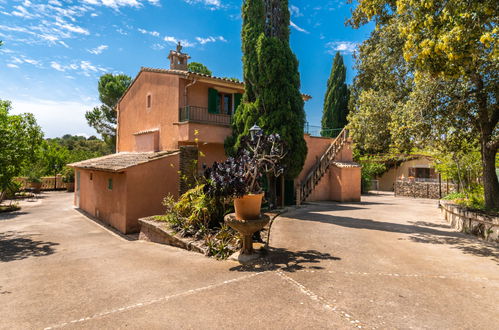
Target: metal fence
[321,131]
[201,115]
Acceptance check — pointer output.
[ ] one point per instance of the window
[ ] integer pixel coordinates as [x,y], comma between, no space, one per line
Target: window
[91,176]
[222,103]
[422,173]
[149,101]
[110,184]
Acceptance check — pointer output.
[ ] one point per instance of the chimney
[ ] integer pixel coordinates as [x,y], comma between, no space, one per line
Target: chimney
[178,60]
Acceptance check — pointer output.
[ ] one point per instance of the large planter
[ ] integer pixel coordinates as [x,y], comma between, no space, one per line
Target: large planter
[70,186]
[36,186]
[248,207]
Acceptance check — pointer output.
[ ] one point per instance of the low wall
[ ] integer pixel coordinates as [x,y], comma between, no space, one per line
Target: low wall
[433,190]
[47,182]
[478,224]
[157,232]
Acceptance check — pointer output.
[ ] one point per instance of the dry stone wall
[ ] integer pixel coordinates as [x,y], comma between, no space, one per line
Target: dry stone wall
[481,225]
[423,189]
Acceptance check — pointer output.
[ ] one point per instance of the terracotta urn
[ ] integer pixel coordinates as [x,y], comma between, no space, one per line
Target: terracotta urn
[248,207]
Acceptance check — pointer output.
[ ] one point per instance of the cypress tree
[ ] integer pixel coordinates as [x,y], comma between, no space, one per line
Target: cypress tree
[335,111]
[272,97]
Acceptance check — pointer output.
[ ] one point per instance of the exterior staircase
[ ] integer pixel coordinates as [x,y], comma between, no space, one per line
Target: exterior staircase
[308,185]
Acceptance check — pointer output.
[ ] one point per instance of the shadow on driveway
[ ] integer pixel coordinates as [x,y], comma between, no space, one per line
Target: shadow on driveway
[15,246]
[288,261]
[419,232]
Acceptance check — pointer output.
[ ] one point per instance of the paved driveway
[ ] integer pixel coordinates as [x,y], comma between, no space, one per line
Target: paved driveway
[384,263]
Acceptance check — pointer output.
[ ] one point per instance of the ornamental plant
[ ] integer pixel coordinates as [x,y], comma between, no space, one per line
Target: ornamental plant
[241,175]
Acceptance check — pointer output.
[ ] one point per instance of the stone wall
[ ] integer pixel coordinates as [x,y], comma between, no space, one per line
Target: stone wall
[423,189]
[478,224]
[157,232]
[188,167]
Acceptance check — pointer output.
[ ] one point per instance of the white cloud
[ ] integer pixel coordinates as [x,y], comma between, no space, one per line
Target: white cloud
[70,27]
[98,50]
[173,40]
[153,33]
[116,4]
[57,66]
[345,47]
[12,65]
[211,4]
[203,41]
[297,28]
[295,11]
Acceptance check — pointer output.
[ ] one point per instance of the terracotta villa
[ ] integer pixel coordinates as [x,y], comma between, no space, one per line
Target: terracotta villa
[168,117]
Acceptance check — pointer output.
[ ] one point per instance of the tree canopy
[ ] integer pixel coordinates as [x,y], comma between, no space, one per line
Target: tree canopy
[197,67]
[20,136]
[335,110]
[272,96]
[103,118]
[439,78]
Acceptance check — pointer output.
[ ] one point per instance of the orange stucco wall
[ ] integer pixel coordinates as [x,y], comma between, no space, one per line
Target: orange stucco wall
[316,148]
[96,199]
[136,193]
[147,185]
[134,116]
[206,133]
[340,184]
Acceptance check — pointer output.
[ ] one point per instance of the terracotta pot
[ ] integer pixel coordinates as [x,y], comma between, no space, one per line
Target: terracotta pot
[36,186]
[70,186]
[248,207]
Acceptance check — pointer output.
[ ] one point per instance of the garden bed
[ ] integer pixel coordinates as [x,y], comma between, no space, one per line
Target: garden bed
[156,231]
[9,208]
[478,223]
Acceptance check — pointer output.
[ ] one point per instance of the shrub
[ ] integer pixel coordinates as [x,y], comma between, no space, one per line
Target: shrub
[370,170]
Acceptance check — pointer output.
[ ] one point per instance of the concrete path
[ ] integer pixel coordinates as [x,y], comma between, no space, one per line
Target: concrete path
[384,263]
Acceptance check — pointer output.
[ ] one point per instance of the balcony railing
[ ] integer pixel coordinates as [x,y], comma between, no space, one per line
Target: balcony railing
[201,115]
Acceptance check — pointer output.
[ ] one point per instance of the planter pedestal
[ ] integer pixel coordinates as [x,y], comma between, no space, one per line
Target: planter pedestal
[246,228]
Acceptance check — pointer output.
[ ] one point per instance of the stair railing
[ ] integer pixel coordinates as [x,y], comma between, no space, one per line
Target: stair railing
[308,184]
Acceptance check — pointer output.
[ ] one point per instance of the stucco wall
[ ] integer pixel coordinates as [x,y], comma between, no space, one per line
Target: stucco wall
[341,184]
[96,199]
[134,116]
[147,185]
[387,180]
[206,133]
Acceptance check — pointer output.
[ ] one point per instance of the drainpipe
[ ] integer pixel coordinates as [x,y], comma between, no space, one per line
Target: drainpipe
[185,89]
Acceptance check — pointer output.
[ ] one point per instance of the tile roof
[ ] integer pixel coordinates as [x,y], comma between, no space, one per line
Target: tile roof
[306,97]
[121,161]
[188,73]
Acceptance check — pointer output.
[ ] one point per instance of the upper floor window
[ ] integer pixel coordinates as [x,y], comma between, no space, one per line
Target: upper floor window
[222,103]
[149,101]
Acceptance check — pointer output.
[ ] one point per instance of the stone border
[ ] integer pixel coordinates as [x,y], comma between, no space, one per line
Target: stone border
[478,224]
[152,230]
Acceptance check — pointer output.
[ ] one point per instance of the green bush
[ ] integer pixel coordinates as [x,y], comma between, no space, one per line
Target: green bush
[201,216]
[370,170]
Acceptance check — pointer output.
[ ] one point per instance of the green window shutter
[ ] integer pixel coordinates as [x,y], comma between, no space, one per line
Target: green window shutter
[237,101]
[212,100]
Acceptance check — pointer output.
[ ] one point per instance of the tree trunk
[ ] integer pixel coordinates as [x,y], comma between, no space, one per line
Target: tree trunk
[487,126]
[490,182]
[2,195]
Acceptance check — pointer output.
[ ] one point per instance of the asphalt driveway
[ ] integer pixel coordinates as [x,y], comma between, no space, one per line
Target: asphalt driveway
[384,263]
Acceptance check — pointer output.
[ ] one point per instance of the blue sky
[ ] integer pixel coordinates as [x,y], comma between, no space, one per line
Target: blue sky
[54,51]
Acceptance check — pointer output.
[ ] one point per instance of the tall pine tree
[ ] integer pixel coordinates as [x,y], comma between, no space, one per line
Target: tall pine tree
[334,115]
[272,97]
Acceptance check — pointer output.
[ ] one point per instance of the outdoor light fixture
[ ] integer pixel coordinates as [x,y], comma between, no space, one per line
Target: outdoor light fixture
[253,130]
